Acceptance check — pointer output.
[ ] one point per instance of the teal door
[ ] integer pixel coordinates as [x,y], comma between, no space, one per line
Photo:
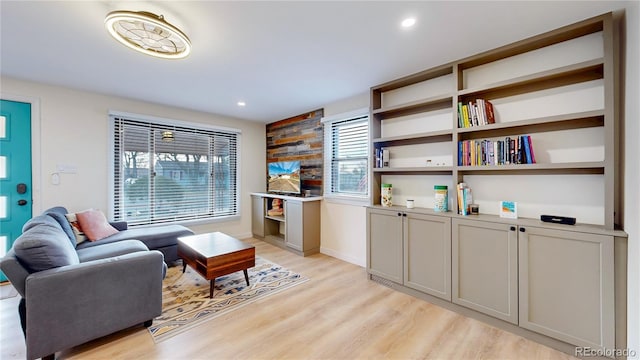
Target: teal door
[15,171]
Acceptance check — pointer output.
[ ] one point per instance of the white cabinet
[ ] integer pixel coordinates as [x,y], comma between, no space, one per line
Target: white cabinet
[384,244]
[485,267]
[290,222]
[567,286]
[410,248]
[294,225]
[427,254]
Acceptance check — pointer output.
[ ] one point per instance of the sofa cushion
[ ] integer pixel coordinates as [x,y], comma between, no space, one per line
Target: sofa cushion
[45,247]
[64,225]
[111,250]
[59,209]
[95,225]
[155,237]
[40,220]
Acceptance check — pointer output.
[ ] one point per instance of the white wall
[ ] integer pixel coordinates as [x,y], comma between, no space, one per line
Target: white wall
[343,229]
[74,130]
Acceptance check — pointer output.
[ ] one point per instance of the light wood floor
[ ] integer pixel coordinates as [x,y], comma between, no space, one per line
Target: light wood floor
[338,314]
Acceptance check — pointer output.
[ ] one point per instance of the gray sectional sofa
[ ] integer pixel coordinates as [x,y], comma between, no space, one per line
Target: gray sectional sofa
[73,295]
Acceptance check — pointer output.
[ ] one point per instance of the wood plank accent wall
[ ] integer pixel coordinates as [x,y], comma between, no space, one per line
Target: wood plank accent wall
[299,138]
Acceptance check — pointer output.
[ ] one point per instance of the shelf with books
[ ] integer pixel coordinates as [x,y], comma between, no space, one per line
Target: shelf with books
[411,128]
[517,150]
[557,89]
[576,120]
[475,114]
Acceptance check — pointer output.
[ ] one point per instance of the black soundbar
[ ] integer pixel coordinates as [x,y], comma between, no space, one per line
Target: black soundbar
[558,219]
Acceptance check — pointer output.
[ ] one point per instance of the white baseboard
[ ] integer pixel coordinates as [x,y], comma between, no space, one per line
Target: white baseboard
[243,235]
[343,257]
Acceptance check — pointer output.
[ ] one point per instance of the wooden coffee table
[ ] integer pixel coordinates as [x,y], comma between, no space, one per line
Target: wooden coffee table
[215,254]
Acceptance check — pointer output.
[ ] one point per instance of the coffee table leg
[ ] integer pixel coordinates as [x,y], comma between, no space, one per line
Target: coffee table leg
[184,266]
[246,276]
[211,287]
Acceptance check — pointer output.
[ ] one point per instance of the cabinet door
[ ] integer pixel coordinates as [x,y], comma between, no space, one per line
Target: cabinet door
[257,215]
[485,268]
[294,225]
[427,254]
[384,244]
[567,286]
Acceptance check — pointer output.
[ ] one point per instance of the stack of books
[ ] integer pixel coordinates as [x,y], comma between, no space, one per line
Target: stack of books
[476,113]
[382,157]
[517,150]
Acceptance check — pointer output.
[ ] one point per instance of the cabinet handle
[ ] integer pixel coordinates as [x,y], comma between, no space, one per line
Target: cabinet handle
[403,214]
[399,214]
[513,228]
[522,229]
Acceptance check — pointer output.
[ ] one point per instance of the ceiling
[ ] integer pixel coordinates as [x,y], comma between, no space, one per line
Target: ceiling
[281,58]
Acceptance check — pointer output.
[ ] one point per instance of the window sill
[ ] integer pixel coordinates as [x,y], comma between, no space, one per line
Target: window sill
[192,222]
[346,200]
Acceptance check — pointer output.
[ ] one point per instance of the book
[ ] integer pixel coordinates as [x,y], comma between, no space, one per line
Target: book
[533,158]
[482,112]
[465,198]
[491,118]
[465,115]
[385,157]
[527,149]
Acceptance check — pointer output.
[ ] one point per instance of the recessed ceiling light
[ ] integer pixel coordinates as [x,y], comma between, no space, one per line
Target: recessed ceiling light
[408,22]
[241,103]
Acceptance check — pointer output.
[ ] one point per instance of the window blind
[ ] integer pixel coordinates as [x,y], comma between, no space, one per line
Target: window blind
[167,173]
[349,156]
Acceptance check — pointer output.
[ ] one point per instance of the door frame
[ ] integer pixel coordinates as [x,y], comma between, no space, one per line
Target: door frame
[36,160]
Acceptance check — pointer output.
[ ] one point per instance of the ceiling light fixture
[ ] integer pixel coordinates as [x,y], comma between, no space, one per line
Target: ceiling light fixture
[241,103]
[148,33]
[408,22]
[167,136]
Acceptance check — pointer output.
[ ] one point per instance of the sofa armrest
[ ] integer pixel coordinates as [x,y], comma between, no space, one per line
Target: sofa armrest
[119,225]
[71,305]
[14,271]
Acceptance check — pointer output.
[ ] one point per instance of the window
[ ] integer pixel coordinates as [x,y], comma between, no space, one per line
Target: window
[167,173]
[346,144]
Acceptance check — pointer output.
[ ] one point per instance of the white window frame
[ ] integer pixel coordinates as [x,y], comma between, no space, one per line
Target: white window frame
[328,194]
[167,121]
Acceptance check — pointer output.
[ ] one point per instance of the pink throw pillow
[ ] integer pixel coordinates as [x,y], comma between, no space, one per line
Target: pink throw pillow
[95,225]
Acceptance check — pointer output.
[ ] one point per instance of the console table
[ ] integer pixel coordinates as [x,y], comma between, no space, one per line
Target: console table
[289,222]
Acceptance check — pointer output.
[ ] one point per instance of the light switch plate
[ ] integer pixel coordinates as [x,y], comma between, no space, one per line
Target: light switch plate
[66,168]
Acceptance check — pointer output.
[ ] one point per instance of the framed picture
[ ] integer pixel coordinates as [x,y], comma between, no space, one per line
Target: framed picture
[509,209]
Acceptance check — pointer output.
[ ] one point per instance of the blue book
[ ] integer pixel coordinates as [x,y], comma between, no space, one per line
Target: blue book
[527,149]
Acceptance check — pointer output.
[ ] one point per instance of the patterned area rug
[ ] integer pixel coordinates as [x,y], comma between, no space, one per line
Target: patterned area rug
[186,302]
